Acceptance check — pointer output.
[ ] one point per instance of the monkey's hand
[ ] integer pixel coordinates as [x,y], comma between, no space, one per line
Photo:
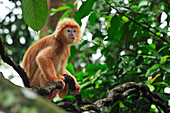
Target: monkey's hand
[61,81]
[73,85]
[77,90]
[57,85]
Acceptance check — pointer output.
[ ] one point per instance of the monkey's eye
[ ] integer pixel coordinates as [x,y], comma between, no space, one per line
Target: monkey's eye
[68,30]
[74,31]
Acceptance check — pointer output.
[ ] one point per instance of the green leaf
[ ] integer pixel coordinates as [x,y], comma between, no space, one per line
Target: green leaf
[70,5]
[66,14]
[158,33]
[143,3]
[84,9]
[94,68]
[76,18]
[160,83]
[97,74]
[92,18]
[80,76]
[164,50]
[98,34]
[68,0]
[152,70]
[85,84]
[125,19]
[166,67]
[53,11]
[152,80]
[35,13]
[70,68]
[150,47]
[72,53]
[134,7]
[151,87]
[164,58]
[113,29]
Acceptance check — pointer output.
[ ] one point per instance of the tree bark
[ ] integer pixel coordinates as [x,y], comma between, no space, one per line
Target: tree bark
[52,21]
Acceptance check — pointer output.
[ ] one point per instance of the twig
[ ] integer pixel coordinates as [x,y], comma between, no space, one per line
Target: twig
[136,22]
[16,66]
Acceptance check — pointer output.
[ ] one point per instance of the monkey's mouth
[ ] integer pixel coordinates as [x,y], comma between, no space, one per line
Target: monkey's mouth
[72,38]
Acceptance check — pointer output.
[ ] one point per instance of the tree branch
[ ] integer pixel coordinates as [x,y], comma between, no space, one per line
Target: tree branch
[16,66]
[128,89]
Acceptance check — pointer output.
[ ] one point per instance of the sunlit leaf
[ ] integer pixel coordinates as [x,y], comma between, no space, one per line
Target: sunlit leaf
[85,84]
[163,59]
[151,87]
[158,33]
[125,19]
[160,83]
[134,7]
[152,80]
[143,3]
[80,76]
[53,11]
[66,14]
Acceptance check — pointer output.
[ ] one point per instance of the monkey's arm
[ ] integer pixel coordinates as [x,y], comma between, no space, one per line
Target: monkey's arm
[45,63]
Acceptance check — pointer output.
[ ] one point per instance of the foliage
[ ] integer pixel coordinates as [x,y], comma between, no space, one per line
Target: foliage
[38,10]
[126,41]
[14,32]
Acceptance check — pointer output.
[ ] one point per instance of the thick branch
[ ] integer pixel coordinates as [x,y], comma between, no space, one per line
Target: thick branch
[16,66]
[128,89]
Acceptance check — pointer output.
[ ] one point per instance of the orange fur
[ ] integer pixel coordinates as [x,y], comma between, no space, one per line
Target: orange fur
[45,60]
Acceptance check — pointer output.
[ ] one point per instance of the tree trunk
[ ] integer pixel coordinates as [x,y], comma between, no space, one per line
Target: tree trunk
[53,20]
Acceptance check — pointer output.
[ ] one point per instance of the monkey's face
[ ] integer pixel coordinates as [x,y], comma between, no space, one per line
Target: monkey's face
[70,34]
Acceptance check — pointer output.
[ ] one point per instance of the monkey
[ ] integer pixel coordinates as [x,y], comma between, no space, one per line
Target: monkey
[45,60]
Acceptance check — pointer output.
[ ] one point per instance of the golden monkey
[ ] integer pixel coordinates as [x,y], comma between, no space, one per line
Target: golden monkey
[45,60]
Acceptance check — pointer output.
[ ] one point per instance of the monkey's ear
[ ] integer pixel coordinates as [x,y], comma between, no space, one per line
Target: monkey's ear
[56,33]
